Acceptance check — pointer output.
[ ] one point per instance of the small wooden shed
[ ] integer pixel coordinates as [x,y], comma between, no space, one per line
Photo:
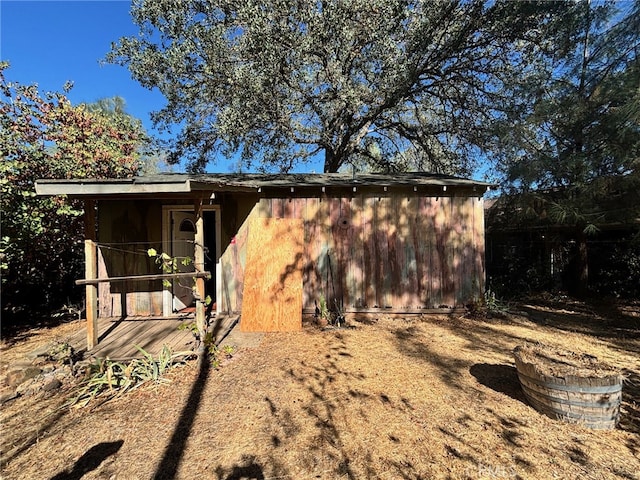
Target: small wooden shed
[274,245]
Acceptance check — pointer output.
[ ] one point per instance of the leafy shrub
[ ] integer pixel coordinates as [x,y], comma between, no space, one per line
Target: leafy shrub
[518,273]
[45,136]
[113,379]
[616,271]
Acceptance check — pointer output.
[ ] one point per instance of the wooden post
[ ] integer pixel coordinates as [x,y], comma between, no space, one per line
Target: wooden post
[90,258]
[199,267]
[91,271]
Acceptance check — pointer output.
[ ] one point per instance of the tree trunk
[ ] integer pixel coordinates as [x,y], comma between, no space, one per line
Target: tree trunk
[331,162]
[582,265]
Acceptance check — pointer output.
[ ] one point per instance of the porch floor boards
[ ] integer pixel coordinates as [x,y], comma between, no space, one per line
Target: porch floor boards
[118,337]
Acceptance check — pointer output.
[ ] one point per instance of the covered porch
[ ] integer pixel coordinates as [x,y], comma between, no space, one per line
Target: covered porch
[131,297]
[118,337]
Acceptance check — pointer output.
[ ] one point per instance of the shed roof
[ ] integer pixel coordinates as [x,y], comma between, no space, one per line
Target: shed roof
[182,183]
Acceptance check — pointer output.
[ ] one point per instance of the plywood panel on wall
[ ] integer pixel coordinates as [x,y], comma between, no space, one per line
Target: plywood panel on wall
[272,297]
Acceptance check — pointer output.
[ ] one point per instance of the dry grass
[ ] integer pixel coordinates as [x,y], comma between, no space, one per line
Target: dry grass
[561,363]
[391,399]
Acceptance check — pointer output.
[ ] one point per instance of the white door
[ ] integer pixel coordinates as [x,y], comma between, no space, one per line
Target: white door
[182,239]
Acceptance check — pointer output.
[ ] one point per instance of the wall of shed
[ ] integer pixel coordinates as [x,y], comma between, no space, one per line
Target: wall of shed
[399,251]
[126,230]
[235,210]
[233,261]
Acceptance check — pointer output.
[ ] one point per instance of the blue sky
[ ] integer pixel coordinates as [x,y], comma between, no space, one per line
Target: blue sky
[51,42]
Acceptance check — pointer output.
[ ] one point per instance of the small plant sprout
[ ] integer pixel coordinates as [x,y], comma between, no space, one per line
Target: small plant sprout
[61,352]
[169,264]
[323,310]
[228,350]
[333,317]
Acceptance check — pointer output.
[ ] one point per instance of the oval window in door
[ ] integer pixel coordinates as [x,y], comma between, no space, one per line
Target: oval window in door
[187,225]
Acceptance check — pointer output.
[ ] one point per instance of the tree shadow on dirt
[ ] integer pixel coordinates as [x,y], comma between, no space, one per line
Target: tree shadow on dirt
[249,469]
[325,451]
[483,336]
[486,338]
[14,330]
[630,408]
[409,342]
[609,322]
[415,341]
[90,460]
[174,451]
[334,403]
[54,423]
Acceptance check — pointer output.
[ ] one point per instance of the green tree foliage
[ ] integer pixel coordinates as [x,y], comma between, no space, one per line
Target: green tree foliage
[48,137]
[151,157]
[570,144]
[359,81]
[578,120]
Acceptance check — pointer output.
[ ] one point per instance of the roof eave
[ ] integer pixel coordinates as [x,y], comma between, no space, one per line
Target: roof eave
[101,188]
[182,185]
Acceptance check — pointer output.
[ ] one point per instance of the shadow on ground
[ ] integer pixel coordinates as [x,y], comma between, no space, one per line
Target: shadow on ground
[500,378]
[249,469]
[174,451]
[91,460]
[619,330]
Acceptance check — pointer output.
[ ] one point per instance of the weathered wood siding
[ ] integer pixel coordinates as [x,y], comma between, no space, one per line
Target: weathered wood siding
[126,229]
[399,252]
[395,250]
[232,266]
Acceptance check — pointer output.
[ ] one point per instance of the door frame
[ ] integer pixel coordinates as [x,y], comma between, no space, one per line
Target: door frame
[167,210]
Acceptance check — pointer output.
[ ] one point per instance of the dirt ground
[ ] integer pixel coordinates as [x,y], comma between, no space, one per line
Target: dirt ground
[409,398]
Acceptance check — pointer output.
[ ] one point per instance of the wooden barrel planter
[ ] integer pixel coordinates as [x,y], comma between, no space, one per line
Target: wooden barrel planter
[568,386]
